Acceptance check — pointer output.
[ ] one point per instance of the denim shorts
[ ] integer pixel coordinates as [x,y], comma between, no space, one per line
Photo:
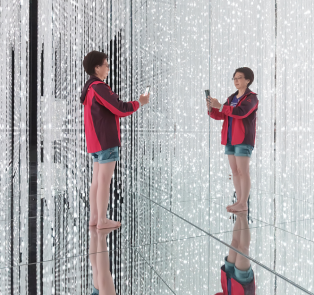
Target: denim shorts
[95,291]
[238,150]
[242,276]
[106,156]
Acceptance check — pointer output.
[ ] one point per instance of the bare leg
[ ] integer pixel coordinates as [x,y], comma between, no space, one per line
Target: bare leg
[104,178]
[92,196]
[242,263]
[92,254]
[243,165]
[235,241]
[236,178]
[106,286]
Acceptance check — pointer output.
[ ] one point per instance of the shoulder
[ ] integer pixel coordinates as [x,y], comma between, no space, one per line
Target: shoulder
[102,87]
[99,85]
[252,96]
[250,93]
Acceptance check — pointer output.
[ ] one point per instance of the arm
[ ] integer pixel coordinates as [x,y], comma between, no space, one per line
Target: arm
[215,114]
[244,110]
[106,97]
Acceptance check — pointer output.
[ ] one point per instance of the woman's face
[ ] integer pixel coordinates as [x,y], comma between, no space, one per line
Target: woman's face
[239,81]
[102,71]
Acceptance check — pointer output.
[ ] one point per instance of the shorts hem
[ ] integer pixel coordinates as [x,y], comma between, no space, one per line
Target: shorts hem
[108,160]
[242,155]
[229,153]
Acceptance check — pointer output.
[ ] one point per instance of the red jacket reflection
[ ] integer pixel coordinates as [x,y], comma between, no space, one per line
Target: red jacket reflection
[233,287]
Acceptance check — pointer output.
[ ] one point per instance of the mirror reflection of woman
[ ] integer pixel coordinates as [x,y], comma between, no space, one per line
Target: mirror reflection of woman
[238,132]
[237,276]
[99,257]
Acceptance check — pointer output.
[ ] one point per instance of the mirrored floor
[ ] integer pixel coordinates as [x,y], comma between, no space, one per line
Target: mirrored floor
[169,250]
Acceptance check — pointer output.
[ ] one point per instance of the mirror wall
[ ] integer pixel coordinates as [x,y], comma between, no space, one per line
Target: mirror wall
[173,182]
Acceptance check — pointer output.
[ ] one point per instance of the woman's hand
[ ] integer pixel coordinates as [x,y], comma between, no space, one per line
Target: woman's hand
[144,99]
[214,103]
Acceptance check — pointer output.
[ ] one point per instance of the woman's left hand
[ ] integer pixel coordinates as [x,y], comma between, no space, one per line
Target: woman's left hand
[214,103]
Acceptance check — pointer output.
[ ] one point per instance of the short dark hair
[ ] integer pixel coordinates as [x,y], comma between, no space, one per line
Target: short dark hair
[248,74]
[93,59]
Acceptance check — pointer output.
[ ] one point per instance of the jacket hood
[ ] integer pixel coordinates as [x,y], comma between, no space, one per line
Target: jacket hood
[87,84]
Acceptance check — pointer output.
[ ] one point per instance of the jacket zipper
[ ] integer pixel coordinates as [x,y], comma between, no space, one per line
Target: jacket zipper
[233,118]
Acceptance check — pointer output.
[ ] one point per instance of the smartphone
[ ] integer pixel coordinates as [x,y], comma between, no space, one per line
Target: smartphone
[147,90]
[207,93]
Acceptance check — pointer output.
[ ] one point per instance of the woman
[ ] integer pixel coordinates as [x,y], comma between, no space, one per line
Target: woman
[238,132]
[102,110]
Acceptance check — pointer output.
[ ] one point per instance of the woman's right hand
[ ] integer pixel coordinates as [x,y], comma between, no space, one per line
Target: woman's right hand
[144,99]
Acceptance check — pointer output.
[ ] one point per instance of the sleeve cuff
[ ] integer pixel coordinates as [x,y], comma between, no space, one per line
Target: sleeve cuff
[139,104]
[222,106]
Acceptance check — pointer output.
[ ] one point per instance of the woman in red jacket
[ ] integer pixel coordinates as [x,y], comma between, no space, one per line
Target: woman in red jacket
[238,132]
[102,110]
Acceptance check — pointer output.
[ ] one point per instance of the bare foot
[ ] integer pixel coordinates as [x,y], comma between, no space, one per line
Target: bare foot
[238,207]
[108,224]
[230,206]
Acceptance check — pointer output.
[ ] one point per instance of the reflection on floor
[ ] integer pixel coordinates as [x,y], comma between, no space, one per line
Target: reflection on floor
[168,253]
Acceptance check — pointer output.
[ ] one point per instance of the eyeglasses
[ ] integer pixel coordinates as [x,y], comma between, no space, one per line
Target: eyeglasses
[107,65]
[236,79]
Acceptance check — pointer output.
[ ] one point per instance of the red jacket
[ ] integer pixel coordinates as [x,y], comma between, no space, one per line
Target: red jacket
[244,119]
[102,110]
[232,287]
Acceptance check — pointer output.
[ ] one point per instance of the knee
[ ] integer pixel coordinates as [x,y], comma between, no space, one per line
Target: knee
[243,248]
[242,172]
[104,181]
[234,243]
[235,172]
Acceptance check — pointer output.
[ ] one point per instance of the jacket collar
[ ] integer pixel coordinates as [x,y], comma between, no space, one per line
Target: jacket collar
[247,91]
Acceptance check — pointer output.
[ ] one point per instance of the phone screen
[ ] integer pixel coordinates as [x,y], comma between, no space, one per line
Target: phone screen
[147,90]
